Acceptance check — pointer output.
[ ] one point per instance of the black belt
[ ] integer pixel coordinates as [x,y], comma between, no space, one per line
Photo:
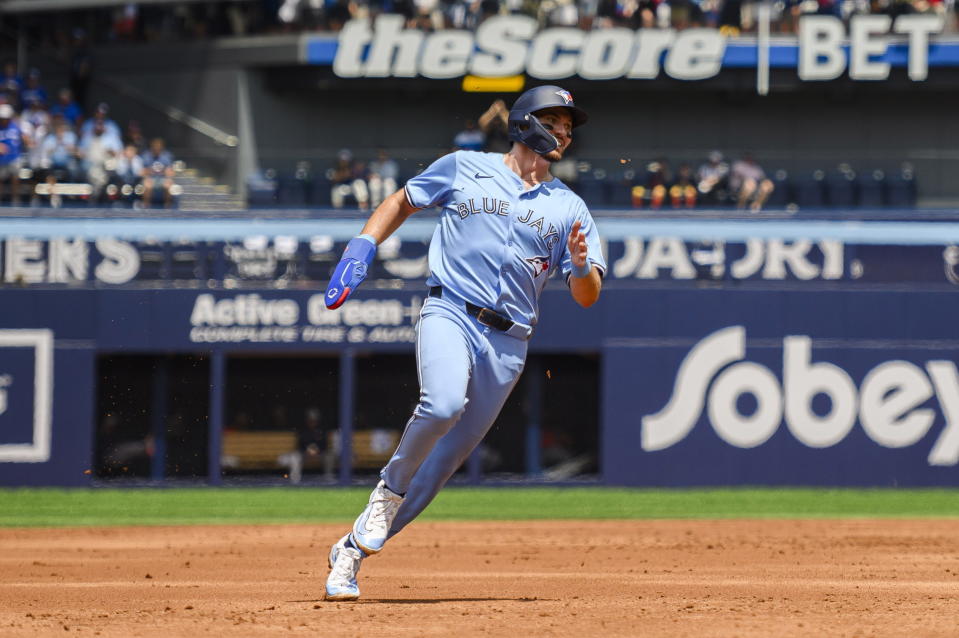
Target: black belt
[485,316]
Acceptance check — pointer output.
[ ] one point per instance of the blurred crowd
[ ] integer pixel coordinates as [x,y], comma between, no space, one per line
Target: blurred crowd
[732,16]
[52,151]
[183,21]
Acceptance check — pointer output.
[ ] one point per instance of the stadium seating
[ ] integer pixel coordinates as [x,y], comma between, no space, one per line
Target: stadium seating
[618,188]
[810,190]
[843,187]
[870,186]
[782,194]
[592,187]
[840,187]
[901,188]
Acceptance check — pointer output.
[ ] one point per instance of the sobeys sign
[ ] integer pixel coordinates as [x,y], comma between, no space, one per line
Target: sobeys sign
[510,45]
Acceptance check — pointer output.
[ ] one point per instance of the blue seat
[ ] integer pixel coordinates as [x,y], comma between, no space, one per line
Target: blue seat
[321,191]
[592,188]
[871,187]
[261,189]
[841,189]
[782,194]
[809,190]
[901,189]
[619,186]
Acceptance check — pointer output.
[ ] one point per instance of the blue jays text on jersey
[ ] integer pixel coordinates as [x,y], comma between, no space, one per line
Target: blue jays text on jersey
[497,241]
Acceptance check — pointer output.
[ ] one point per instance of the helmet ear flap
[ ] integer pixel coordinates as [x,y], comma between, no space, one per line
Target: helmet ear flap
[533,134]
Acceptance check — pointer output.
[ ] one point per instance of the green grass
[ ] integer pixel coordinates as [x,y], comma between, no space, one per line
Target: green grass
[32,507]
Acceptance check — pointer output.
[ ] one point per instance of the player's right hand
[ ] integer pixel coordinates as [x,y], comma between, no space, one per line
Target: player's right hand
[350,272]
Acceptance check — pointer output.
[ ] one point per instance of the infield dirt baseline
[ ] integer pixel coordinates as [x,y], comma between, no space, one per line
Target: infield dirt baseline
[792,578]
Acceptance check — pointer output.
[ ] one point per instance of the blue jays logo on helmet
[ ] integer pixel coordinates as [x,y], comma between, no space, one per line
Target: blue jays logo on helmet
[539,264]
[566,95]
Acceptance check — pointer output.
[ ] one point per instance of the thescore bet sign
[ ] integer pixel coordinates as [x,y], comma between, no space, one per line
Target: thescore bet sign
[510,45]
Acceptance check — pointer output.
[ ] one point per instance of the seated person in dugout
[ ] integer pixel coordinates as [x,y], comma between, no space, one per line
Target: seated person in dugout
[749,183]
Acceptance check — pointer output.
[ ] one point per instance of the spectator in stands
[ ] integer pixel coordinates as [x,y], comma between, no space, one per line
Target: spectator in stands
[58,153]
[66,107]
[730,18]
[561,13]
[494,122]
[463,15]
[33,91]
[603,14]
[653,191]
[11,84]
[11,150]
[312,442]
[128,173]
[35,123]
[682,193]
[749,183]
[428,16]
[58,159]
[98,152]
[383,177]
[348,178]
[135,136]
[712,180]
[471,138]
[158,174]
[110,128]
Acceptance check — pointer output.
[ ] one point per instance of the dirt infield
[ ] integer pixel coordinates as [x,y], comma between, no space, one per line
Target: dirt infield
[611,578]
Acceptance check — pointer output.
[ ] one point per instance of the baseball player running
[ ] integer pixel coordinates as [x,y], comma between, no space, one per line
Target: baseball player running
[506,224]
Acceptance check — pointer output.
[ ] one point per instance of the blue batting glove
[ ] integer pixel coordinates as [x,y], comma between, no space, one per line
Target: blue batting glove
[351,271]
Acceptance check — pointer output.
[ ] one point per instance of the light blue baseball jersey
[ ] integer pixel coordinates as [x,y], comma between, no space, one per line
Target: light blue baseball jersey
[497,242]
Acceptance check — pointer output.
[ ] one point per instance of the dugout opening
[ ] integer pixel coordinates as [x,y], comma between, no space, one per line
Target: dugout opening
[549,427]
[282,418]
[151,416]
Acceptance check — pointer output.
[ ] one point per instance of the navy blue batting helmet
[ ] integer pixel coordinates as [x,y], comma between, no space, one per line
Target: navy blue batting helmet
[526,128]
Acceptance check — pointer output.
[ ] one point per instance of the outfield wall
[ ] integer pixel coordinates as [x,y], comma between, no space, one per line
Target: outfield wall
[724,363]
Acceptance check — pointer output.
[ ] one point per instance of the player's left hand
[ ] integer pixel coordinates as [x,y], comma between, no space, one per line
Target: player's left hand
[577,246]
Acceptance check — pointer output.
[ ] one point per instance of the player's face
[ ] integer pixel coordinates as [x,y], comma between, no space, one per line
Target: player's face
[559,123]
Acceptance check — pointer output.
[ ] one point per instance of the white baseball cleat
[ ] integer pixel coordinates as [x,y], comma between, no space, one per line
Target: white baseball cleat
[373,525]
[344,565]
[337,546]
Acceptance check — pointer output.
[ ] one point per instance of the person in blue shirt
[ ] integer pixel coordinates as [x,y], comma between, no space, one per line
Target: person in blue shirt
[10,82]
[33,91]
[11,151]
[66,107]
[506,225]
[100,118]
[471,138]
[158,173]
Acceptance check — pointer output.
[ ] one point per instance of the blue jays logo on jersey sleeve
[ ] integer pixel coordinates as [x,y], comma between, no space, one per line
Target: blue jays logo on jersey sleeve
[540,265]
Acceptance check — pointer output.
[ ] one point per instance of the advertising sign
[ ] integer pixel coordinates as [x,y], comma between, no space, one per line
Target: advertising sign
[502,46]
[758,395]
[287,262]
[26,395]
